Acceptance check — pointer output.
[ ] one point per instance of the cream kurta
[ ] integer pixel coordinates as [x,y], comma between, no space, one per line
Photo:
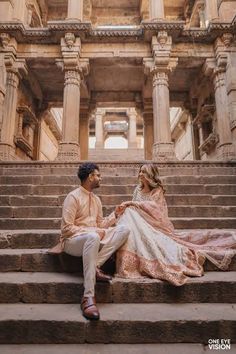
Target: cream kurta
[82,212]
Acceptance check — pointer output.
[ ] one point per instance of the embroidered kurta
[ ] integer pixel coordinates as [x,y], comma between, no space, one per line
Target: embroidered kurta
[82,212]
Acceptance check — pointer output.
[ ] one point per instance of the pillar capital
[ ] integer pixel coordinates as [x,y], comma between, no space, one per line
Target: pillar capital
[132,113]
[100,112]
[160,78]
[72,77]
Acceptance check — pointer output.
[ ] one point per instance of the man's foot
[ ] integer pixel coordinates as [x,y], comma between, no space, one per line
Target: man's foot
[89,308]
[102,277]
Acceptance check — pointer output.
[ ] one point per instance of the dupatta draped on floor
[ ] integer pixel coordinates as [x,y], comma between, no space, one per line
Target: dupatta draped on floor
[155,249]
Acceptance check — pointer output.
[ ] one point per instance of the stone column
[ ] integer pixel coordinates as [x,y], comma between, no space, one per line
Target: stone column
[99,128]
[75,10]
[225,137]
[69,149]
[132,132]
[148,137]
[7,151]
[231,87]
[19,12]
[84,136]
[163,147]
[2,86]
[200,134]
[156,10]
[211,8]
[75,68]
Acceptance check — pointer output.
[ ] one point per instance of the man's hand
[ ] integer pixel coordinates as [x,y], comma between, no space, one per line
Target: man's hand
[119,210]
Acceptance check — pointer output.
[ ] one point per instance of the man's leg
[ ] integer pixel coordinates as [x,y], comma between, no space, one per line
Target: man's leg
[87,246]
[118,238]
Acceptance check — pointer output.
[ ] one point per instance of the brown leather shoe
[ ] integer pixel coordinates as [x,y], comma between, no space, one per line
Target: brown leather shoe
[89,308]
[102,277]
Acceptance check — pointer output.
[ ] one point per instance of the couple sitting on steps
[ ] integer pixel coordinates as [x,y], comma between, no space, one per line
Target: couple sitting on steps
[143,236]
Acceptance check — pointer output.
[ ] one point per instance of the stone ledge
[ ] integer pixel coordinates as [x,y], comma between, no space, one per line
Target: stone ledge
[120,323]
[216,287]
[107,349]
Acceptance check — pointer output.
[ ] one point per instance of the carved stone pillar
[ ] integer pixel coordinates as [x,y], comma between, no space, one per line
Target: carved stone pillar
[19,12]
[216,68]
[222,113]
[99,128]
[74,68]
[160,66]
[156,10]
[69,149]
[75,10]
[148,136]
[231,87]
[163,147]
[7,151]
[211,10]
[84,135]
[132,132]
[2,86]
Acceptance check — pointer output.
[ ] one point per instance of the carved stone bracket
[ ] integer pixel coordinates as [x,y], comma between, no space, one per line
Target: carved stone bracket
[26,121]
[208,144]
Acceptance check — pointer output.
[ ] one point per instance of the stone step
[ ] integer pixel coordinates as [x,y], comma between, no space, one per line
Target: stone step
[107,199]
[177,348]
[119,168]
[117,180]
[120,323]
[179,223]
[190,211]
[62,288]
[174,211]
[29,189]
[30,239]
[38,260]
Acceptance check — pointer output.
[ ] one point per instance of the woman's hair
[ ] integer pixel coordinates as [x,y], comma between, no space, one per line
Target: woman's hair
[151,174]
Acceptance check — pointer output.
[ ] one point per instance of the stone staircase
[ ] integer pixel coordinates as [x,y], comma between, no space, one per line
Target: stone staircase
[40,293]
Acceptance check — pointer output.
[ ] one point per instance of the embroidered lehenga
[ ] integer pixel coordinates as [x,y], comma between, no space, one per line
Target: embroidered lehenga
[154,249]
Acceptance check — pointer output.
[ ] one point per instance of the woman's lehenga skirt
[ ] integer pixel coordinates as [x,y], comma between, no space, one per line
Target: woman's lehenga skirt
[149,252]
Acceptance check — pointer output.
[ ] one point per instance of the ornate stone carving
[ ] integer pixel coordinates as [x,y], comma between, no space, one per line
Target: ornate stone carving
[72,77]
[227,39]
[210,142]
[160,78]
[163,38]
[116,32]
[70,39]
[5,39]
[163,152]
[68,152]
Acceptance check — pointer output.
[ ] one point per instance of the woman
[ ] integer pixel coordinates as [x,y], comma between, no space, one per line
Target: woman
[155,249]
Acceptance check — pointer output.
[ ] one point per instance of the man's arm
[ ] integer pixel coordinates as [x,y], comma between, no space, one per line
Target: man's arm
[68,228]
[106,222]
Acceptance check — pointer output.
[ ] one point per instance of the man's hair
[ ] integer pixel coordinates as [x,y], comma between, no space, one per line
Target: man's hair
[85,169]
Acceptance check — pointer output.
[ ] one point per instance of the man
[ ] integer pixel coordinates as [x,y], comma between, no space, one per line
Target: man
[84,232]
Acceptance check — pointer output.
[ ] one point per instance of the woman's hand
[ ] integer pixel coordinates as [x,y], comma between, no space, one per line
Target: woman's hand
[127,204]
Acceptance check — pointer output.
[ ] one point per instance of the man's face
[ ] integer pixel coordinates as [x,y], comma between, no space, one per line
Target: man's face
[95,179]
